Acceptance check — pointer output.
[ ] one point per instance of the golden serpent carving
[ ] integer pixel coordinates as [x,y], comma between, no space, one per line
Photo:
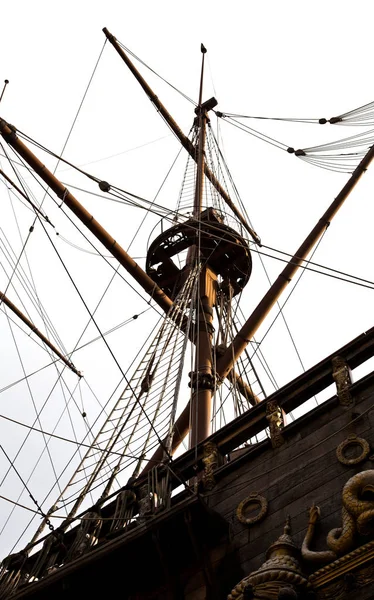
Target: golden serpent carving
[253,498]
[357,514]
[306,552]
[352,440]
[357,517]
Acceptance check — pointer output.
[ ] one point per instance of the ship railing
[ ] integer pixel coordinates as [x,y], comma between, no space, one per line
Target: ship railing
[199,468]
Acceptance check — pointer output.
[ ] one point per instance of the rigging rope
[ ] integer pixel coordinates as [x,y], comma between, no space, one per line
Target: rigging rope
[230,318]
[363,115]
[155,73]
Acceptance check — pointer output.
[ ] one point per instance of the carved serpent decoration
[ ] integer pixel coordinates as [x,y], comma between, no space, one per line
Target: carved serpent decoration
[308,554]
[357,517]
[357,514]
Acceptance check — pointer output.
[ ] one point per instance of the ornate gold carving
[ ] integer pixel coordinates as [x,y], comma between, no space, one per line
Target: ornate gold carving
[308,554]
[335,591]
[342,376]
[352,440]
[274,416]
[365,576]
[252,499]
[343,565]
[211,461]
[336,580]
[357,514]
[357,517]
[338,590]
[279,577]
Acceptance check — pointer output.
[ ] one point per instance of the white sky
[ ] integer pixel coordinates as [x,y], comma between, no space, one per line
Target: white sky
[288,59]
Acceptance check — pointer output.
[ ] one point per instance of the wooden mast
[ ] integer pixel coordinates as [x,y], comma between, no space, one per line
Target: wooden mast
[8,132]
[202,379]
[224,363]
[242,339]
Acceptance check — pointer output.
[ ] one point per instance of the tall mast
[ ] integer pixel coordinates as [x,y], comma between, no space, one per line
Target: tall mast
[198,414]
[202,380]
[8,132]
[242,339]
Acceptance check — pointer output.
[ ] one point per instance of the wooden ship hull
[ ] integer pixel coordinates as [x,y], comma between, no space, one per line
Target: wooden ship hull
[216,542]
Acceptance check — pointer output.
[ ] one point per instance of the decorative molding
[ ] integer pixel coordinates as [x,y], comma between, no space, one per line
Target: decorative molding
[253,498]
[352,440]
[339,589]
[340,567]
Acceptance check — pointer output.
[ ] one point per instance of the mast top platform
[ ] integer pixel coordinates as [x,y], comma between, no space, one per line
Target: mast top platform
[221,248]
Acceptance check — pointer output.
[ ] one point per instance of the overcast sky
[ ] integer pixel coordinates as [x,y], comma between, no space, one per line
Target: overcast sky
[274,59]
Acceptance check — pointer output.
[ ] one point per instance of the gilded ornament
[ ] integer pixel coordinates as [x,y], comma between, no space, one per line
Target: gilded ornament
[365,576]
[280,577]
[342,376]
[351,561]
[211,460]
[335,591]
[252,499]
[338,590]
[357,514]
[311,555]
[274,416]
[350,442]
[357,517]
